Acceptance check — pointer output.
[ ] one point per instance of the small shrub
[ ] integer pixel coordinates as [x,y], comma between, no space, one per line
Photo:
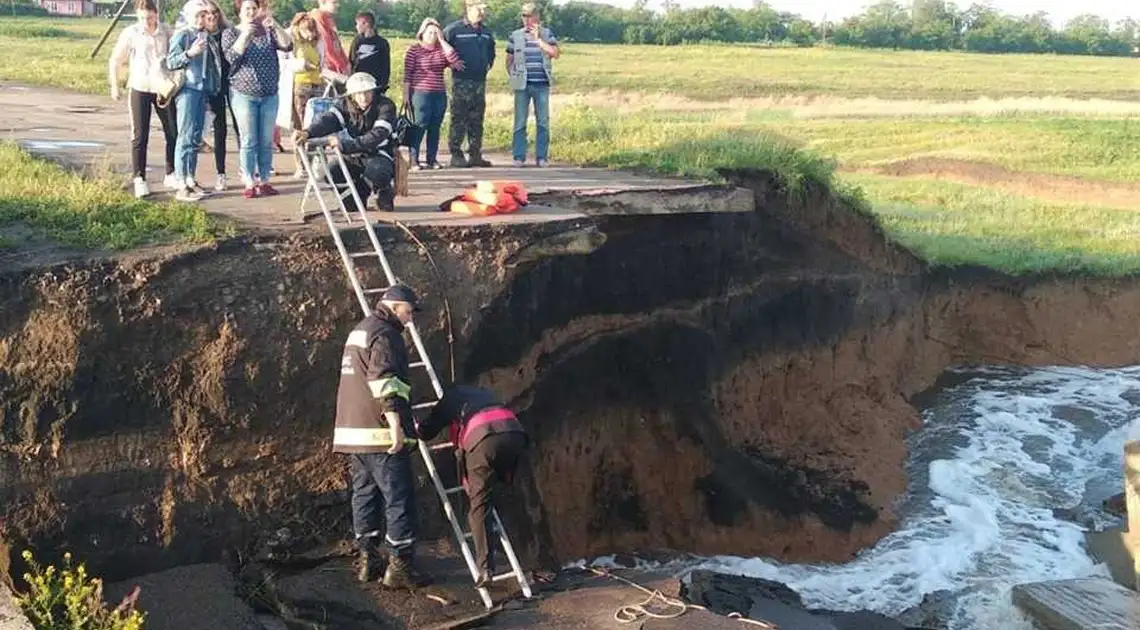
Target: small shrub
[67,599]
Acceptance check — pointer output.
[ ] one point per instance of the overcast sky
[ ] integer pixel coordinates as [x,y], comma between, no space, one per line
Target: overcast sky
[1059,10]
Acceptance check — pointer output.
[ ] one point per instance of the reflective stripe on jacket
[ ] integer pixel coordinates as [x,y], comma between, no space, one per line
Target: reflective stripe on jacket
[373,381]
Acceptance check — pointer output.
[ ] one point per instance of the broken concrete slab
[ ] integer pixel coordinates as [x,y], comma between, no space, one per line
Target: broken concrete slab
[1079,604]
[11,617]
[775,603]
[192,597]
[47,122]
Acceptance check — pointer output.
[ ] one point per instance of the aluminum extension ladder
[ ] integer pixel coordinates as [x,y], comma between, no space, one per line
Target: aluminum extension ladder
[315,158]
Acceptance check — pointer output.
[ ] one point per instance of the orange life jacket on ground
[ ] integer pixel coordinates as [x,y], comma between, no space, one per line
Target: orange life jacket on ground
[487,198]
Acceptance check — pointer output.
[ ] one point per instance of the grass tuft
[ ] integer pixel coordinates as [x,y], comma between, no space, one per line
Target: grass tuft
[31,30]
[953,224]
[89,213]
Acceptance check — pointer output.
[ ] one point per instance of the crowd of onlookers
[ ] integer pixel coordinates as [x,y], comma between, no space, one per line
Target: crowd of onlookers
[257,76]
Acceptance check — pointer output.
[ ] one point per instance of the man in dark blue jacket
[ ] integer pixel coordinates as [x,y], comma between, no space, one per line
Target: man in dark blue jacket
[489,442]
[475,45]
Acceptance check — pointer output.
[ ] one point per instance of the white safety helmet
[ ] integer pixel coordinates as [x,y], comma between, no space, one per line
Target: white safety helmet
[359,82]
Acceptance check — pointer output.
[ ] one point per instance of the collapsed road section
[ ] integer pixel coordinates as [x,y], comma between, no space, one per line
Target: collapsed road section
[731,381]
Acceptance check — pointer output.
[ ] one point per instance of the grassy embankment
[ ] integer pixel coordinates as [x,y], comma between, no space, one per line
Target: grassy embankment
[91,213]
[1019,162]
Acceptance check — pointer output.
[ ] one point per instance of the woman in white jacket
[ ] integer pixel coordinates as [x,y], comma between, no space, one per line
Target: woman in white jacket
[143,47]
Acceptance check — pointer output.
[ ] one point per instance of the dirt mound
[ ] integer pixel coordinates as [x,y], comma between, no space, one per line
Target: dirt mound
[1040,185]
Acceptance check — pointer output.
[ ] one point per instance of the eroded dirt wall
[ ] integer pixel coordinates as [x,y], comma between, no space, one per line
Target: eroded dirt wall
[717,383]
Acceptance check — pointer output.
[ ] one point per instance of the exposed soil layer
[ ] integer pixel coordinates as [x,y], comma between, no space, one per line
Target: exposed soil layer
[1066,188]
[714,383]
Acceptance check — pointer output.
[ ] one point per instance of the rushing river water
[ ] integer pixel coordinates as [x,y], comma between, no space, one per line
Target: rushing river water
[999,452]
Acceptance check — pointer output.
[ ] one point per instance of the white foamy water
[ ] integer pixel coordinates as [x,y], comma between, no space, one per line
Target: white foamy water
[998,452]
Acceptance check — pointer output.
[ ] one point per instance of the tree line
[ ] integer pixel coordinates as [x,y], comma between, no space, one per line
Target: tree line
[916,25]
[919,25]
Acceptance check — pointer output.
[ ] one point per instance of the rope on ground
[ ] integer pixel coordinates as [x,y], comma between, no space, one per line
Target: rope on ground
[442,292]
[632,613]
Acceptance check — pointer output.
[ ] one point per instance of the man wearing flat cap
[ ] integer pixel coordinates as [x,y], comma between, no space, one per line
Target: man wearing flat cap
[374,425]
[529,52]
[476,47]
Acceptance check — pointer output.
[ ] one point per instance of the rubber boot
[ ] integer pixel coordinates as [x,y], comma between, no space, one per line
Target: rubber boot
[386,200]
[402,574]
[370,564]
[476,160]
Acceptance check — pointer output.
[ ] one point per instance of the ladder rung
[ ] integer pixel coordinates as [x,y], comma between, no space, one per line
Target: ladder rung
[416,364]
[361,254]
[455,490]
[371,291]
[426,405]
[445,445]
[503,576]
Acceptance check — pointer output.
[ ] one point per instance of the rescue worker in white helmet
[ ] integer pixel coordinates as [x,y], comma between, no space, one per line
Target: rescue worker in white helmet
[363,129]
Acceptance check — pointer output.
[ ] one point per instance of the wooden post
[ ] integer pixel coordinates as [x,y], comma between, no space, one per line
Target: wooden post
[110,27]
[1132,500]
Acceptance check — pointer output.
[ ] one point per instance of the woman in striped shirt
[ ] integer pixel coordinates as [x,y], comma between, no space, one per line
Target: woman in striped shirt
[424,89]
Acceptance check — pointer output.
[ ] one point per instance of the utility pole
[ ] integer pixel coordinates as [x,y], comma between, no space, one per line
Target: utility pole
[111,27]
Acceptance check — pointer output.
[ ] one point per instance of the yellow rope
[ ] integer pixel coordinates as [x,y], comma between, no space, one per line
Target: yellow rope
[635,612]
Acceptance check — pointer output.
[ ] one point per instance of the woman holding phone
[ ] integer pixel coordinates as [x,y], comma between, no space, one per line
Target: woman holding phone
[192,49]
[251,48]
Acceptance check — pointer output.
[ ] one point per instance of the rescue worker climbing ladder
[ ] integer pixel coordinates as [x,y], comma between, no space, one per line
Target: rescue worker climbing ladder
[489,442]
[373,420]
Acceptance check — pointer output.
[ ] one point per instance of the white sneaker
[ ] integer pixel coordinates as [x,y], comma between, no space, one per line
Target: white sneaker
[543,164]
[172,182]
[519,163]
[187,195]
[141,188]
[220,185]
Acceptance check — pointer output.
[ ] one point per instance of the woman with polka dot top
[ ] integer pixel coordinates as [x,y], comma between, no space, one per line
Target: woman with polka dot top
[251,49]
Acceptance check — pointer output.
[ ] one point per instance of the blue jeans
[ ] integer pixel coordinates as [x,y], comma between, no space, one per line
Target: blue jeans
[383,482]
[429,108]
[540,94]
[256,117]
[191,110]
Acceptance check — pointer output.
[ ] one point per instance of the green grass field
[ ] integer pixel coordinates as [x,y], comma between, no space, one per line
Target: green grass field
[88,212]
[1020,162]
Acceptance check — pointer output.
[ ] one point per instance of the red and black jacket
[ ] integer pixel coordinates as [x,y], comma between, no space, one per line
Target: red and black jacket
[470,414]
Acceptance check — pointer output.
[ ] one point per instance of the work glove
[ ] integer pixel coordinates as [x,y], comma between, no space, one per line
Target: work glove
[396,430]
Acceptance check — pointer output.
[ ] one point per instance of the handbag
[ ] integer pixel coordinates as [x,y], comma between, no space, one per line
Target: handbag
[404,123]
[168,86]
[403,161]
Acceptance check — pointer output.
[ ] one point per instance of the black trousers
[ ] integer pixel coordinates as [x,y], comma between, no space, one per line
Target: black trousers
[140,105]
[494,459]
[218,105]
[372,174]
